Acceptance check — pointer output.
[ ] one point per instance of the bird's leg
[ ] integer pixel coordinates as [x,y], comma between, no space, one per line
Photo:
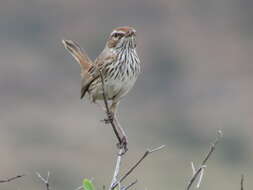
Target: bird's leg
[100,106]
[111,113]
[106,120]
[113,110]
[112,117]
[124,140]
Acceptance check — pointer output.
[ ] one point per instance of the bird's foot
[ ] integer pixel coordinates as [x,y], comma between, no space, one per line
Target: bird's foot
[123,145]
[109,119]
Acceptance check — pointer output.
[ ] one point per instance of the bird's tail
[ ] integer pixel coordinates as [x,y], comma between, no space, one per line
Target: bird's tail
[80,56]
[85,63]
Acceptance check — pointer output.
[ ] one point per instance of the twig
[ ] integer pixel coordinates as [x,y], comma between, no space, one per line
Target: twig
[200,177]
[78,188]
[117,168]
[193,169]
[108,112]
[45,181]
[11,179]
[137,163]
[203,164]
[242,181]
[119,185]
[130,185]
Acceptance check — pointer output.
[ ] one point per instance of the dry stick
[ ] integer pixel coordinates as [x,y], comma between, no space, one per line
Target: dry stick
[117,167]
[242,181]
[130,185]
[108,110]
[203,164]
[120,154]
[45,181]
[80,187]
[114,182]
[11,179]
[137,163]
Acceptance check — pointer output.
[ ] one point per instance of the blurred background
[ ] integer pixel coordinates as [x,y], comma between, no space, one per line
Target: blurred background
[197,78]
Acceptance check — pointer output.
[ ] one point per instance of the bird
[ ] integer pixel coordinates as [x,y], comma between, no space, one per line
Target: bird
[118,63]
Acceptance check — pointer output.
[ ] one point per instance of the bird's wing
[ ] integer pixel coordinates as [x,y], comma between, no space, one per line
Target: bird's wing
[106,57]
[89,71]
[99,64]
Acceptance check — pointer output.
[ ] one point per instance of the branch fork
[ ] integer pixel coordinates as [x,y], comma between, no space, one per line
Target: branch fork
[44,180]
[199,173]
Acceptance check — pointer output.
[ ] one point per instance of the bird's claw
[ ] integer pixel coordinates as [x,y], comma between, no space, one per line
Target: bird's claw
[109,119]
[123,145]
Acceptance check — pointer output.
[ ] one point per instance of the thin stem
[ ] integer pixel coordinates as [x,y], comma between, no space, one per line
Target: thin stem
[45,181]
[117,168]
[11,179]
[200,177]
[203,164]
[80,187]
[242,181]
[130,185]
[136,164]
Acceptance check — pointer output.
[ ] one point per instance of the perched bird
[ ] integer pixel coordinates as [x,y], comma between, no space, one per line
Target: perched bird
[118,63]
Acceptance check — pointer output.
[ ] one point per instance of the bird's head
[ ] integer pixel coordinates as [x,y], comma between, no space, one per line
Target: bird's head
[122,37]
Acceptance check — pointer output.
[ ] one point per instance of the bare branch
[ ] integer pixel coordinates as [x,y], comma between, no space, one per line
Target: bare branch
[137,163]
[193,169]
[11,179]
[45,181]
[242,181]
[78,188]
[130,185]
[156,149]
[200,177]
[117,168]
[108,112]
[203,164]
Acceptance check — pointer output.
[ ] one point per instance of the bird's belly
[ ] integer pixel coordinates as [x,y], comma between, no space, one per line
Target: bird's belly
[114,89]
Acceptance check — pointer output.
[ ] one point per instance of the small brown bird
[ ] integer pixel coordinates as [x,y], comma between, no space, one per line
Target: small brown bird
[118,62]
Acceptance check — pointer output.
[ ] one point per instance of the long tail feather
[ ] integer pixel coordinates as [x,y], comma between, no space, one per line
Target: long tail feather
[84,61]
[80,56]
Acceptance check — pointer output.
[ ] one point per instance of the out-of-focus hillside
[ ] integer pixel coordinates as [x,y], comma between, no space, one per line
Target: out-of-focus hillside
[197,77]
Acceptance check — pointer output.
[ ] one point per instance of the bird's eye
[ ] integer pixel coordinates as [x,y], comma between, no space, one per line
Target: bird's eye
[117,35]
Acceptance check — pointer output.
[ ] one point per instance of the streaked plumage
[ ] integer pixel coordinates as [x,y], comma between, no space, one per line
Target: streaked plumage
[118,62]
